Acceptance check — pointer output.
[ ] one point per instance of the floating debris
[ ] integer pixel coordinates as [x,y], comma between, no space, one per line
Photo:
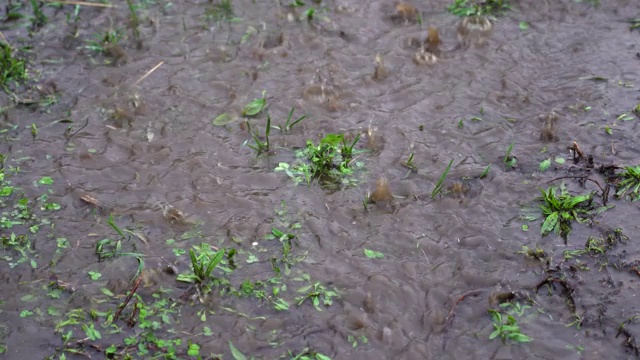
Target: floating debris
[90,200]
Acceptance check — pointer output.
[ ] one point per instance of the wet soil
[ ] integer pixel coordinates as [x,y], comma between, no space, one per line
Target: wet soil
[142,147]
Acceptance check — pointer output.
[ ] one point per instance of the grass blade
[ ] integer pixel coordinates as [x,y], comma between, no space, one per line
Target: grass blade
[115,227]
[194,262]
[438,187]
[485,172]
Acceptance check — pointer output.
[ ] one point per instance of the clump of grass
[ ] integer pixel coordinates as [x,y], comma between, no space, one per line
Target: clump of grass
[329,161]
[12,68]
[103,42]
[560,210]
[506,325]
[475,8]
[202,266]
[220,11]
[135,22]
[39,18]
[315,292]
[629,186]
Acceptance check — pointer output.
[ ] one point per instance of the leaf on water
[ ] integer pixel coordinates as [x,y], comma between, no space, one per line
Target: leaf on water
[237,355]
[544,165]
[46,180]
[206,331]
[107,292]
[194,350]
[560,160]
[524,25]
[223,119]
[254,107]
[373,254]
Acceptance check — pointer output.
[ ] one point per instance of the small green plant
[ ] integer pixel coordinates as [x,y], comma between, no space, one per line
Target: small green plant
[39,18]
[289,124]
[202,266]
[440,184]
[473,8]
[485,172]
[409,163]
[315,292]
[560,210]
[330,161]
[308,14]
[12,69]
[101,43]
[629,186]
[536,254]
[34,130]
[260,146]
[509,161]
[506,327]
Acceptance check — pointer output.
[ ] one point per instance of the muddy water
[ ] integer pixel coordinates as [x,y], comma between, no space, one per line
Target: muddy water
[150,144]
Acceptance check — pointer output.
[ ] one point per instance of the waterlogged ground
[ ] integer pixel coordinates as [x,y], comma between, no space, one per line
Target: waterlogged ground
[114,170]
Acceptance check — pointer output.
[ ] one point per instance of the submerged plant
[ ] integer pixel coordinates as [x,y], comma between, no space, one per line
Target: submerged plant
[560,210]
